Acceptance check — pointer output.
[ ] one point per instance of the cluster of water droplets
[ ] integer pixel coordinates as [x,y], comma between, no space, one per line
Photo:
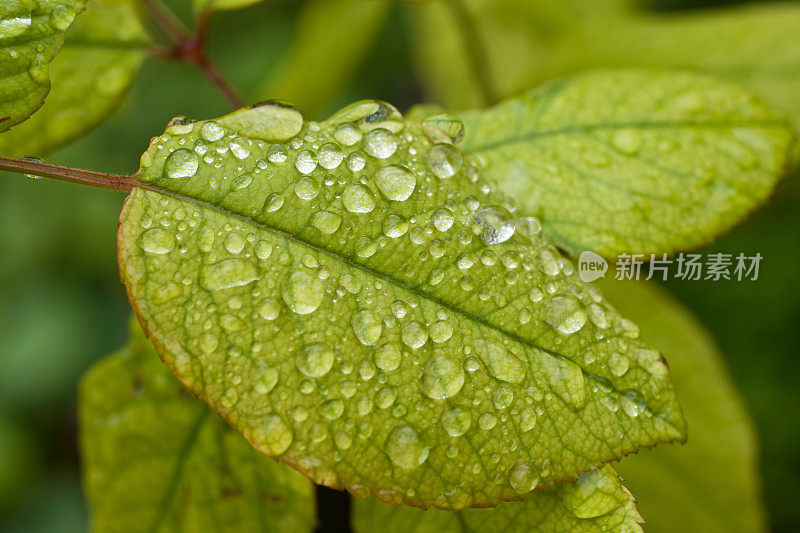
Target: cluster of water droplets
[355,337]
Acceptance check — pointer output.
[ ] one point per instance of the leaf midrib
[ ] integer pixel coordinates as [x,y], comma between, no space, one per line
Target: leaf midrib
[369,271]
[640,125]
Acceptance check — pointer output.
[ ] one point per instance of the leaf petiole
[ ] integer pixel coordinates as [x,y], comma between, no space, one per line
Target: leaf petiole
[74,175]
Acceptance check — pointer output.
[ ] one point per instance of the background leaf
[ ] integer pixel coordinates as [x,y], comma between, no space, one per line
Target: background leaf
[101,55]
[635,161]
[332,38]
[156,459]
[756,45]
[711,483]
[33,32]
[222,5]
[351,296]
[595,502]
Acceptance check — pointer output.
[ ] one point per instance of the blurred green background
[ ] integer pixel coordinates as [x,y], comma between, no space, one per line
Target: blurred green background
[62,306]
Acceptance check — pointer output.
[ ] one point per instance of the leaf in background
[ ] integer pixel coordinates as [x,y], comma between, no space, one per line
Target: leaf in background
[632,161]
[757,45]
[353,297]
[101,55]
[31,34]
[595,502]
[157,459]
[222,5]
[332,39]
[711,483]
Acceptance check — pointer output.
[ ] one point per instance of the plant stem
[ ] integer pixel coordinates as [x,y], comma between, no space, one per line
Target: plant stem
[476,50]
[72,175]
[190,47]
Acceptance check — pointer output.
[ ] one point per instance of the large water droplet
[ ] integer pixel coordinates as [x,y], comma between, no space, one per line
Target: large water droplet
[270,121]
[395,226]
[591,495]
[330,156]
[367,326]
[358,199]
[618,364]
[404,447]
[441,331]
[396,182]
[305,162]
[181,163]
[443,123]
[234,243]
[315,361]
[269,309]
[414,334]
[442,219]
[444,160]
[387,357]
[500,363]
[522,478]
[158,241]
[229,273]
[14,26]
[326,222]
[347,134]
[456,421]
[60,19]
[272,436]
[240,147]
[302,291]
[628,142]
[380,143]
[442,378]
[565,313]
[565,378]
[211,131]
[306,188]
[492,225]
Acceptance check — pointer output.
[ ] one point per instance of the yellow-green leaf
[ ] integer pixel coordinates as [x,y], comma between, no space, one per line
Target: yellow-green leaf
[333,37]
[101,55]
[636,161]
[31,34]
[157,459]
[353,297]
[595,502]
[711,483]
[222,5]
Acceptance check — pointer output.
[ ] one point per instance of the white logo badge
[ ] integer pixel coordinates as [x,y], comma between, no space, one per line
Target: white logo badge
[591,266]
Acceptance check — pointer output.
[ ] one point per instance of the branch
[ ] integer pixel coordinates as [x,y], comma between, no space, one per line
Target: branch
[190,47]
[41,169]
[476,50]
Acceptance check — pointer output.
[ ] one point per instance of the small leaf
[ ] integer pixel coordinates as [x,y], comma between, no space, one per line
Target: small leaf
[333,38]
[353,297]
[32,32]
[595,502]
[101,56]
[635,161]
[156,459]
[711,483]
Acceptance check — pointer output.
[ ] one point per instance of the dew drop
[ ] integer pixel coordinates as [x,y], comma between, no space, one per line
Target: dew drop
[358,199]
[565,313]
[387,357]
[347,134]
[269,121]
[385,397]
[442,219]
[277,153]
[229,273]
[487,421]
[380,143]
[240,147]
[274,202]
[211,131]
[590,495]
[404,447]
[396,182]
[269,309]
[492,226]
[395,226]
[626,141]
[305,162]
[234,243]
[565,379]
[414,334]
[441,331]
[181,163]
[330,156]
[444,160]
[442,378]
[522,478]
[367,326]
[272,436]
[456,421]
[502,396]
[315,361]
[618,364]
[326,222]
[60,19]
[302,291]
[500,363]
[158,241]
[306,188]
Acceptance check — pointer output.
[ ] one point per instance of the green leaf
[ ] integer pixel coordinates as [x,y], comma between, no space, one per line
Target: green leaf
[333,38]
[756,45]
[156,459]
[31,34]
[636,161]
[710,484]
[595,502]
[101,56]
[352,297]
[222,5]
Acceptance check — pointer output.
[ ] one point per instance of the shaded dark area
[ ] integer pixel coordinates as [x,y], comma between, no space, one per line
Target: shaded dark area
[333,511]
